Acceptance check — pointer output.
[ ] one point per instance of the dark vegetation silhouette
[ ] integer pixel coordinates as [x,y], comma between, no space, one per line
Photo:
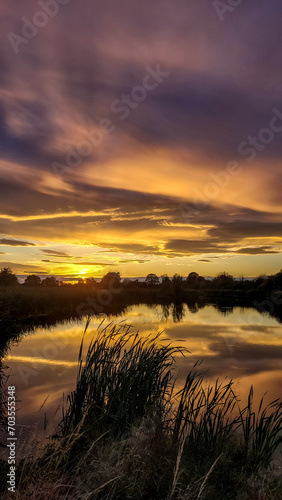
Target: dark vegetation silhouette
[223,281]
[42,299]
[129,432]
[7,278]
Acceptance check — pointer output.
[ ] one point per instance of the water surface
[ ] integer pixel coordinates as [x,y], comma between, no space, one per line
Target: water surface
[240,343]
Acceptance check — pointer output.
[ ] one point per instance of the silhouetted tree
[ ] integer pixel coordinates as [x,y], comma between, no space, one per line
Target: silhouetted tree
[7,277]
[177,285]
[260,279]
[152,280]
[177,279]
[223,280]
[50,281]
[32,280]
[194,280]
[165,281]
[111,279]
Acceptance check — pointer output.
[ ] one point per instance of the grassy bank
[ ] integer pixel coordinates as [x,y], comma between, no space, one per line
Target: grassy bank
[129,432]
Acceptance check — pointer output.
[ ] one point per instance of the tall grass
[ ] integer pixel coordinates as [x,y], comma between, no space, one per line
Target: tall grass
[261,430]
[124,379]
[127,433]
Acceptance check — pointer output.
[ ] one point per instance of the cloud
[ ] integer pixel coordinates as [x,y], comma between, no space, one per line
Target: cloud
[15,243]
[137,261]
[82,263]
[131,248]
[191,247]
[238,229]
[19,268]
[257,250]
[55,253]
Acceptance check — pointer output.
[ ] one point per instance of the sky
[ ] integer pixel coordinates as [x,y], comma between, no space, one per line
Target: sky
[140,137]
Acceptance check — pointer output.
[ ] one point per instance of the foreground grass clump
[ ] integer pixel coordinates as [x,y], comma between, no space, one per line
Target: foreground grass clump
[128,433]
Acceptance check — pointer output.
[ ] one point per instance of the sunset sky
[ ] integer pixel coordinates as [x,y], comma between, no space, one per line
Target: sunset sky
[140,137]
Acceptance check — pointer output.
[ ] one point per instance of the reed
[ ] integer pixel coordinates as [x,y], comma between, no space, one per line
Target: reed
[125,378]
[126,432]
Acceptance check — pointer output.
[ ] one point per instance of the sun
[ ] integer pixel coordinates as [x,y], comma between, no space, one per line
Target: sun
[82,274]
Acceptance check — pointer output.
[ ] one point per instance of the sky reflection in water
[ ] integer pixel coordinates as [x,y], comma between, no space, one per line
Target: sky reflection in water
[241,343]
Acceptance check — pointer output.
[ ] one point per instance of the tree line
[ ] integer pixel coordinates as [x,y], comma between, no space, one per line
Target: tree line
[192,281]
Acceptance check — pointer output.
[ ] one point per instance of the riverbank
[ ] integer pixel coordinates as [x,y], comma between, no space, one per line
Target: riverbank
[23,304]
